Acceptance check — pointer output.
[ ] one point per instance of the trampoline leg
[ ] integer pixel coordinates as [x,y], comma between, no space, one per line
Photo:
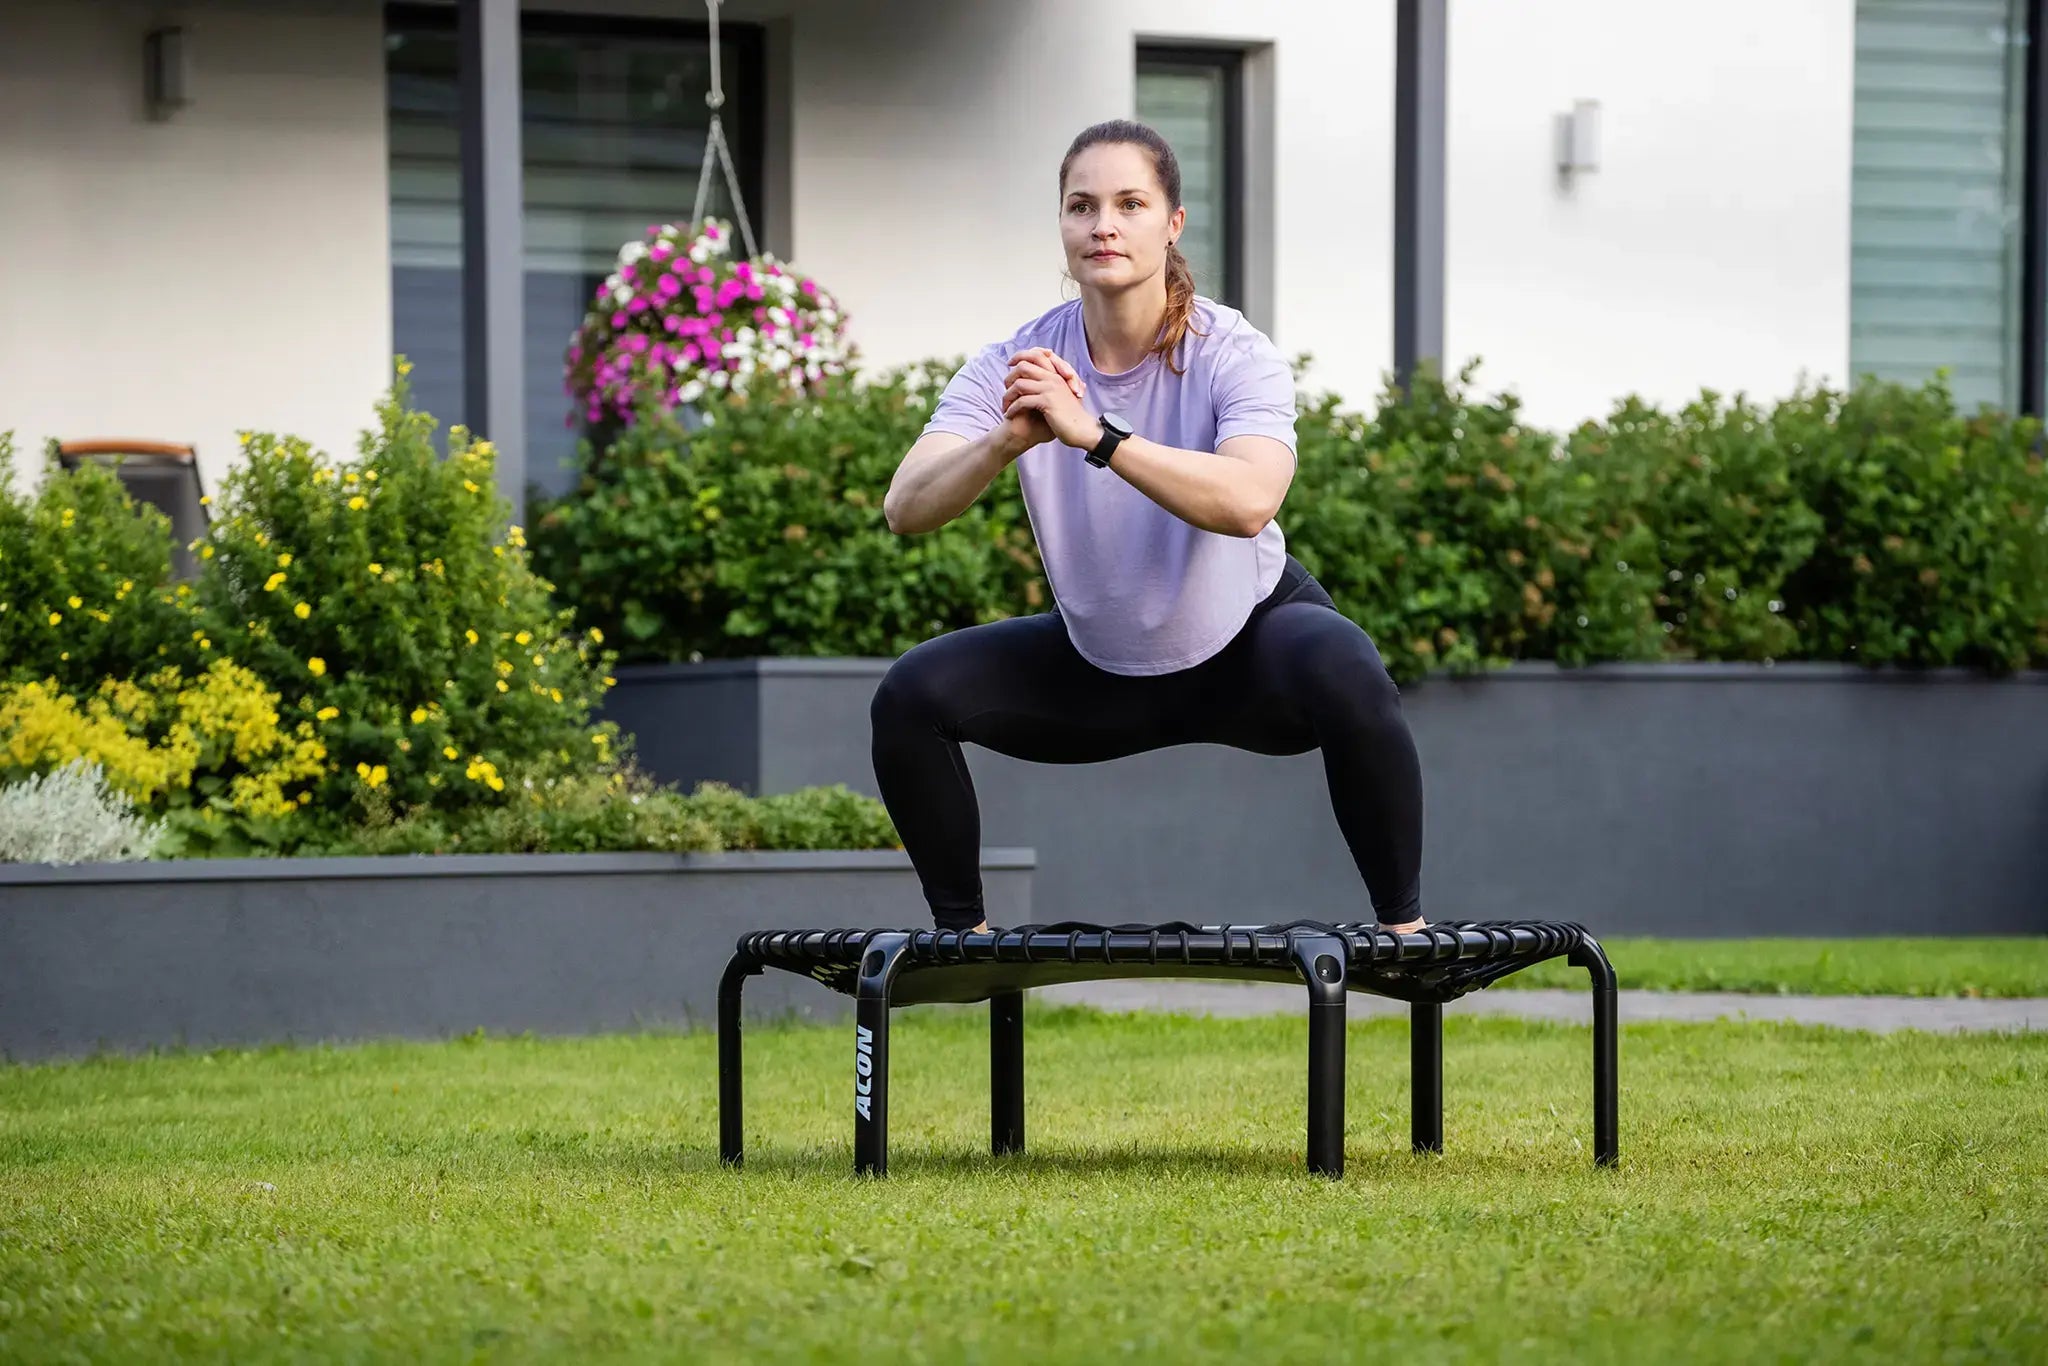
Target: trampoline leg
[731,1103]
[1321,964]
[1426,1069]
[1606,1050]
[878,968]
[1006,1072]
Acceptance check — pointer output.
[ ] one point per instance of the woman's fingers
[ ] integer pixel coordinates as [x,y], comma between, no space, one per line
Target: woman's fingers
[1051,363]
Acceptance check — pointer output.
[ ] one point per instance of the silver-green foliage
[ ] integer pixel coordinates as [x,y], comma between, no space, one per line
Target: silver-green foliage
[70,815]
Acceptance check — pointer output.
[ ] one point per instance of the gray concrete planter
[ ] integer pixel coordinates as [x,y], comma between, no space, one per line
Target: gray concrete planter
[1672,799]
[237,951]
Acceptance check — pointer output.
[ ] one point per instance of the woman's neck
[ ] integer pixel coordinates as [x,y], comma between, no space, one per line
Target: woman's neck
[1123,326]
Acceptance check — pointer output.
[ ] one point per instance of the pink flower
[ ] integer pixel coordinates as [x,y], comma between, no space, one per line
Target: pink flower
[639,304]
[705,275]
[682,266]
[669,287]
[672,323]
[661,251]
[618,320]
[745,270]
[809,287]
[689,351]
[703,298]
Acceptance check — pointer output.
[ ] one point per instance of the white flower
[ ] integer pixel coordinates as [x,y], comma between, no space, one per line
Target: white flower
[622,295]
[632,252]
[778,360]
[692,391]
[719,379]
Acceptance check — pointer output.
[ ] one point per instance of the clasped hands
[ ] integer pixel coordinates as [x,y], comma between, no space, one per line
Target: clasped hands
[1043,402]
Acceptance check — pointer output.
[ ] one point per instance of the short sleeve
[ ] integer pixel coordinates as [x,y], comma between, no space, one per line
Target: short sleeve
[972,405]
[1254,389]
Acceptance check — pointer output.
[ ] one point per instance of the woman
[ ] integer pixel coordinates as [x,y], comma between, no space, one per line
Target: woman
[1153,432]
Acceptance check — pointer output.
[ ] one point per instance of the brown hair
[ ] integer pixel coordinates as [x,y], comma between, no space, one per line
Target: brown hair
[1180,277]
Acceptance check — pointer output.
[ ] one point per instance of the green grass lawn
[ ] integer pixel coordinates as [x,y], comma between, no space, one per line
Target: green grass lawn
[1826,967]
[1786,1193]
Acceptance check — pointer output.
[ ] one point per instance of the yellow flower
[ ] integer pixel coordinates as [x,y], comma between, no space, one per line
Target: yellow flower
[76,601]
[471,485]
[70,515]
[270,584]
[206,500]
[419,714]
[370,475]
[405,367]
[609,681]
[502,687]
[596,636]
[374,776]
[358,503]
[205,644]
[302,611]
[496,783]
[523,637]
[349,478]
[318,666]
[499,551]
[539,662]
[555,693]
[451,751]
[327,713]
[376,568]
[56,617]
[284,561]
[206,552]
[471,635]
[127,587]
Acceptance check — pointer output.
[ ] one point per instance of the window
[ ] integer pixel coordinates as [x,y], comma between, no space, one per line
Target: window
[612,131]
[1936,207]
[1195,98]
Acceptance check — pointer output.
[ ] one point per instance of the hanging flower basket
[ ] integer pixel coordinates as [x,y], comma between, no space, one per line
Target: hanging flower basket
[681,317]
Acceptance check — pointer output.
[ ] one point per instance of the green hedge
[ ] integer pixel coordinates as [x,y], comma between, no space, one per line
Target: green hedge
[1880,525]
[367,662]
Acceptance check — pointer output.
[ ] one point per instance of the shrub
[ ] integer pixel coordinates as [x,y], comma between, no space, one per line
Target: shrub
[762,533]
[393,609]
[681,319]
[1717,488]
[211,754]
[627,812]
[1934,549]
[84,580]
[70,815]
[1459,537]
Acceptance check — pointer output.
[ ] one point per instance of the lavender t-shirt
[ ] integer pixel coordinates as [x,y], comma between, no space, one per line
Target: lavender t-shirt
[1141,591]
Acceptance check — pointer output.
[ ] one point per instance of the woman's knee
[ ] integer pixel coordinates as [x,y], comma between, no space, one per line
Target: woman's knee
[1336,669]
[909,693]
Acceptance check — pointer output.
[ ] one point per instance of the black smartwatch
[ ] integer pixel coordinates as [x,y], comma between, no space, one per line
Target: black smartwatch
[1114,432]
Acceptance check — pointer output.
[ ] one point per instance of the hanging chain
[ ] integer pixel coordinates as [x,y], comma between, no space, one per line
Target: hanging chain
[715,148]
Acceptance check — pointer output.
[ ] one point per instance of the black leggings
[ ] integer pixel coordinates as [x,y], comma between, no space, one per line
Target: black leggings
[1298,676]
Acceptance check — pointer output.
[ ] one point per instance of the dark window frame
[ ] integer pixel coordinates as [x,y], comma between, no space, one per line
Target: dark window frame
[1186,58]
[746,129]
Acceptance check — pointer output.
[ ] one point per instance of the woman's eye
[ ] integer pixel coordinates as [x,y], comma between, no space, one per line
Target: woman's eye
[1134,204]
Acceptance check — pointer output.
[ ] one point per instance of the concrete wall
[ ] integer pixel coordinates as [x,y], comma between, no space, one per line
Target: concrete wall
[1683,800]
[215,952]
[226,269]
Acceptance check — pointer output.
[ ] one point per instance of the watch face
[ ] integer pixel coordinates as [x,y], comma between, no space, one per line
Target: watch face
[1116,424]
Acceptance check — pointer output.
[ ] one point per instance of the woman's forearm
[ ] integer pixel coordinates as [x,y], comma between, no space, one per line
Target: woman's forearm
[1217,493]
[936,484]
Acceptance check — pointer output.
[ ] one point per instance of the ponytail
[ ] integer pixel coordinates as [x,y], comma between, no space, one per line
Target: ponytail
[1180,308]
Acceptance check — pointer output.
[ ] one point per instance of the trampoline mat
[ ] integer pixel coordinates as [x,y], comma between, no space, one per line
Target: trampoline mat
[1436,964]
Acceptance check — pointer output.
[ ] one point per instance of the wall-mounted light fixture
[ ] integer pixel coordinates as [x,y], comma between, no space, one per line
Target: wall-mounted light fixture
[1578,141]
[166,72]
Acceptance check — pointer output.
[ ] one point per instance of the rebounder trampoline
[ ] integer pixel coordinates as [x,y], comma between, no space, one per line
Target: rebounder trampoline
[884,969]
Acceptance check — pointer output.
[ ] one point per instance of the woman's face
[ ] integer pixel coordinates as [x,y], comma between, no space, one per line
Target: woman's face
[1115,222]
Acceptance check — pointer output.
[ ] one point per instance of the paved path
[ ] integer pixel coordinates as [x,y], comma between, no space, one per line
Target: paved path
[1880,1013]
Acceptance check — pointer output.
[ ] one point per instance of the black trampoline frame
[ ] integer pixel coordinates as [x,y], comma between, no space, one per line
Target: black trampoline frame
[886,969]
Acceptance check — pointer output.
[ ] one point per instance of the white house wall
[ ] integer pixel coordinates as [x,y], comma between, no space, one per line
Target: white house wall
[230,268]
[1711,247]
[225,269]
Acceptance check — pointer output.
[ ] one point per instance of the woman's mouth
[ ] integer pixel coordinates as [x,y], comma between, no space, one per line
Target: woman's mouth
[1104,255]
